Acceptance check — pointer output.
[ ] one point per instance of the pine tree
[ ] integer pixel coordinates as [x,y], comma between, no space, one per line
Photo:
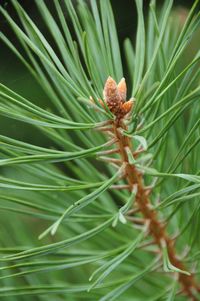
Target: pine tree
[109,208]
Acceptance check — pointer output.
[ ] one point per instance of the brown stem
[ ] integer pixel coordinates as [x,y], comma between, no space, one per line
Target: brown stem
[133,211]
[108,159]
[104,129]
[108,152]
[156,228]
[119,187]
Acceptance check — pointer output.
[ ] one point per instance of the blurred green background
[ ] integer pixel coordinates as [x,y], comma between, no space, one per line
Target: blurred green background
[17,77]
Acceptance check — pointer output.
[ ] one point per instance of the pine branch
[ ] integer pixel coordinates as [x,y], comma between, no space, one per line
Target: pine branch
[77,167]
[115,97]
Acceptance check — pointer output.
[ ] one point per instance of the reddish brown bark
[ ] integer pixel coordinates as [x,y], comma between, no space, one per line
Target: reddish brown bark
[156,228]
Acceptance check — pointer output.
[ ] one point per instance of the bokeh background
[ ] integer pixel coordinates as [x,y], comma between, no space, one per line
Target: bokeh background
[17,77]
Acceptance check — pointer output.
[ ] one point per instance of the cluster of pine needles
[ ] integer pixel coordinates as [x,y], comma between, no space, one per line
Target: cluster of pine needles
[108,207]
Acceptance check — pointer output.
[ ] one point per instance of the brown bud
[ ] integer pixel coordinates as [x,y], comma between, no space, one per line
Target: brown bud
[111,95]
[122,89]
[127,106]
[115,98]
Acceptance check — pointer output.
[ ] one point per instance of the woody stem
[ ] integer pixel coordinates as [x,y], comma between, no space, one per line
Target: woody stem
[156,228]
